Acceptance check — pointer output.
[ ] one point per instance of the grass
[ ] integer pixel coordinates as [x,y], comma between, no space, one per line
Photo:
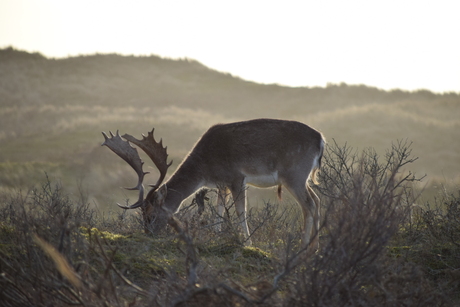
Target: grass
[374,251]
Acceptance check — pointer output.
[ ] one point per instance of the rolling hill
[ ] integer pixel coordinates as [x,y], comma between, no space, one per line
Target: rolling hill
[53,110]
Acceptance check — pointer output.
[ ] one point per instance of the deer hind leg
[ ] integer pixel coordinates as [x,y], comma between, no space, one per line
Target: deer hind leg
[307,201]
[239,198]
[314,238]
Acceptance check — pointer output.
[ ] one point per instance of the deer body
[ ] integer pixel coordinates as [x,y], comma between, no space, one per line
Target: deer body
[261,152]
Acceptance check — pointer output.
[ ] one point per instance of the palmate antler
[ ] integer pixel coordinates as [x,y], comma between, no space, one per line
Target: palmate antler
[153,149]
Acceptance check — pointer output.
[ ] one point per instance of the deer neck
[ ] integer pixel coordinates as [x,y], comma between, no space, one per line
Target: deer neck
[181,185]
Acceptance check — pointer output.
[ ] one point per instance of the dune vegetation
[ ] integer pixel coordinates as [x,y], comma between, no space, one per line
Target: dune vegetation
[389,189]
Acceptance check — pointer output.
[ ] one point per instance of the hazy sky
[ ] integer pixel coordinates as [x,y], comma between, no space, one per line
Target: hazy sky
[388,44]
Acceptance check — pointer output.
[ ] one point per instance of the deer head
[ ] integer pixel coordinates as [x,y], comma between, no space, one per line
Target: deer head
[151,204]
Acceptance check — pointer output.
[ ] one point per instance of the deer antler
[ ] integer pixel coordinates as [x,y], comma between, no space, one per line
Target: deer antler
[155,151]
[131,156]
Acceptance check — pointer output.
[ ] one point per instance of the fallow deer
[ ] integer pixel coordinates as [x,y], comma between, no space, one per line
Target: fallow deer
[260,152]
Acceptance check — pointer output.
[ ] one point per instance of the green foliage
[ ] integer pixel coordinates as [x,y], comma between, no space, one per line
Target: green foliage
[256,253]
[432,240]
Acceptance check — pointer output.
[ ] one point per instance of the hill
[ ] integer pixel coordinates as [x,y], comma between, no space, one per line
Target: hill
[53,110]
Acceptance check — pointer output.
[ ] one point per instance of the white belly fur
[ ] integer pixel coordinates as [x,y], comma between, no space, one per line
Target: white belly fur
[262,180]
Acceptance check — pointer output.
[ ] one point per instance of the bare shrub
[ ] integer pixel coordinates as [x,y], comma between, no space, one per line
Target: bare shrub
[49,255]
[54,251]
[361,197]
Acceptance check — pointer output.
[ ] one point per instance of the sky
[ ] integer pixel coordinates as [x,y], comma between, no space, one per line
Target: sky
[405,44]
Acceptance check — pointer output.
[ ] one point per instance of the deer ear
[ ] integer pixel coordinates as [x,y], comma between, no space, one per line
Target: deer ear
[161,193]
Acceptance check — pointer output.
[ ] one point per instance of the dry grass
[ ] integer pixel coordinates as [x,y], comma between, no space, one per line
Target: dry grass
[55,251]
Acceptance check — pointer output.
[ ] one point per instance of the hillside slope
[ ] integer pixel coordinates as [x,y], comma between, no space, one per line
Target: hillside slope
[52,112]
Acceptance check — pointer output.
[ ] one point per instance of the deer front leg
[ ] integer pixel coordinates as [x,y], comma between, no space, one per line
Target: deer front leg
[239,198]
[222,199]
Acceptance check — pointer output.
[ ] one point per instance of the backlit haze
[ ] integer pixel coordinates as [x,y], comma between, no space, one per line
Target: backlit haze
[388,44]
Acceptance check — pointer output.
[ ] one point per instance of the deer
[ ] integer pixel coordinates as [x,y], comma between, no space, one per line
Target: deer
[259,152]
